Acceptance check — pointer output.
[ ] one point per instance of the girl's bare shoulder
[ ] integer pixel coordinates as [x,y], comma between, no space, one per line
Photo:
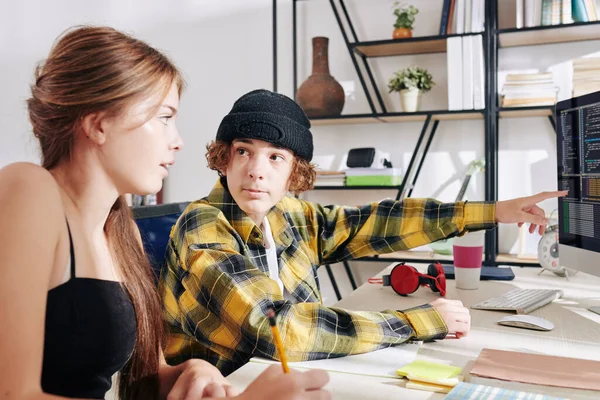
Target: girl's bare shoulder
[28,188]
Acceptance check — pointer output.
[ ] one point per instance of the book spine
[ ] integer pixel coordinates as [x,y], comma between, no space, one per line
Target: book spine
[478,73]
[455,85]
[566,15]
[590,7]
[556,12]
[546,12]
[467,71]
[537,13]
[444,20]
[460,16]
[468,16]
[449,29]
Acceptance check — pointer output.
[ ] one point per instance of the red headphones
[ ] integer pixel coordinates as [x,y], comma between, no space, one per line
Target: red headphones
[405,279]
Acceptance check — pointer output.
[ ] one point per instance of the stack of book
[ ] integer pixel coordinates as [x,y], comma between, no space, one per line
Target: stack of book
[586,76]
[577,77]
[529,90]
[330,178]
[531,13]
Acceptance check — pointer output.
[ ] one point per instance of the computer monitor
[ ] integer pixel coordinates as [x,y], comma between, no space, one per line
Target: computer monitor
[578,146]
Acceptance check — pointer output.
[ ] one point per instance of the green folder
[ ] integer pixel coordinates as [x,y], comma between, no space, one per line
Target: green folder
[374,180]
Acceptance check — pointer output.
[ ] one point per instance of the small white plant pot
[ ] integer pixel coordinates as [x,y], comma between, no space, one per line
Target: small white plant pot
[410,100]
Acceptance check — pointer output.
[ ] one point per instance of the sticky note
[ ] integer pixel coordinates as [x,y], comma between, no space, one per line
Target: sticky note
[428,387]
[439,382]
[429,370]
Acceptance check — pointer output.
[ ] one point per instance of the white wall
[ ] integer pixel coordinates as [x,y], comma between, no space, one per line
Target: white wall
[224,50]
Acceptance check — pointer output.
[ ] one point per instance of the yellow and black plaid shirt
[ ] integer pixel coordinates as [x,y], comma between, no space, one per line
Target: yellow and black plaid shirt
[216,288]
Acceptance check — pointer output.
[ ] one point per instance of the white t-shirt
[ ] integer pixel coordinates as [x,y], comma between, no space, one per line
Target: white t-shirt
[272,261]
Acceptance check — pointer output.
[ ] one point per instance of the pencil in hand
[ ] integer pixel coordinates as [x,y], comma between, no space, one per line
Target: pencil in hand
[277,340]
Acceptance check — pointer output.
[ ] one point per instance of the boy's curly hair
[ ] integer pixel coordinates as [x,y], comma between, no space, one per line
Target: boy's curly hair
[302,177]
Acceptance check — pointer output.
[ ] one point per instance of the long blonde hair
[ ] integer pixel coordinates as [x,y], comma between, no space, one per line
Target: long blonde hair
[99,69]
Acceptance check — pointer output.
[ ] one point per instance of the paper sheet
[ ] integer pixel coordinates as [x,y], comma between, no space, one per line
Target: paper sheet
[382,363]
[538,369]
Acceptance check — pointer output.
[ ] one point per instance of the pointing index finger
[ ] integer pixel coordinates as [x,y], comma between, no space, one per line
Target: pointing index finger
[549,195]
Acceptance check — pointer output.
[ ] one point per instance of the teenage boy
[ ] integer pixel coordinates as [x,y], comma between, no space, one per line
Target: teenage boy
[248,246]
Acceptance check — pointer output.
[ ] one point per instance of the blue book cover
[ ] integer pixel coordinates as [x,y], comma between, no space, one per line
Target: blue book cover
[546,12]
[579,12]
[444,20]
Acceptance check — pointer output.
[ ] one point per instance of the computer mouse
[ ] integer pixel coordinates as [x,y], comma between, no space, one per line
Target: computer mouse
[527,322]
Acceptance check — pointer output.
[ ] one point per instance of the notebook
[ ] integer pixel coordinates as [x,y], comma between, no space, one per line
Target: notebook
[481,392]
[538,369]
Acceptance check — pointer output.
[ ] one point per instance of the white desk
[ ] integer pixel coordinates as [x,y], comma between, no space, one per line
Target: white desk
[576,334]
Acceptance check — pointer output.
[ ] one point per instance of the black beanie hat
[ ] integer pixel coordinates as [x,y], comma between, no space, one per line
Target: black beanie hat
[272,117]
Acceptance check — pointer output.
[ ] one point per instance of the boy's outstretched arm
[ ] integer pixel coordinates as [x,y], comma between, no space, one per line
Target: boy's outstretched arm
[344,232]
[216,298]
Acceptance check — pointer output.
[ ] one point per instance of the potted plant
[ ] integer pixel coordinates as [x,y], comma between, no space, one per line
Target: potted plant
[405,17]
[410,83]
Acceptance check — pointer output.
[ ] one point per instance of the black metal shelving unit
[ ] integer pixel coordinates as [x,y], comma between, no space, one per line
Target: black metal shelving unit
[410,46]
[521,37]
[493,40]
[418,116]
[543,35]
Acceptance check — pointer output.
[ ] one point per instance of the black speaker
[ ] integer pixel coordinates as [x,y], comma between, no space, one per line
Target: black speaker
[367,157]
[361,158]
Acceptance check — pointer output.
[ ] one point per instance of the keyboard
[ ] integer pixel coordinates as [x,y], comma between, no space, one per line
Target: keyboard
[523,301]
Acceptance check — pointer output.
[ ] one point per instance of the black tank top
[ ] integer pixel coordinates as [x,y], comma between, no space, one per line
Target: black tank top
[90,334]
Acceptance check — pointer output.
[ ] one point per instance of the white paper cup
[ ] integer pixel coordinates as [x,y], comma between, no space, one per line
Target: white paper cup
[468,256]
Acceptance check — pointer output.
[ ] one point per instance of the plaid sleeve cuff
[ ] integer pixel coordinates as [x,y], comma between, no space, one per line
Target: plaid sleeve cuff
[426,322]
[479,215]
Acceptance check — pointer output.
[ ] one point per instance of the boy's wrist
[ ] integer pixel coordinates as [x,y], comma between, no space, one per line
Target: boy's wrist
[426,322]
[479,215]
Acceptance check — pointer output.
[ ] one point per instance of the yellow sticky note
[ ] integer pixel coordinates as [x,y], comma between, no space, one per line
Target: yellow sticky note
[438,382]
[428,387]
[429,370]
